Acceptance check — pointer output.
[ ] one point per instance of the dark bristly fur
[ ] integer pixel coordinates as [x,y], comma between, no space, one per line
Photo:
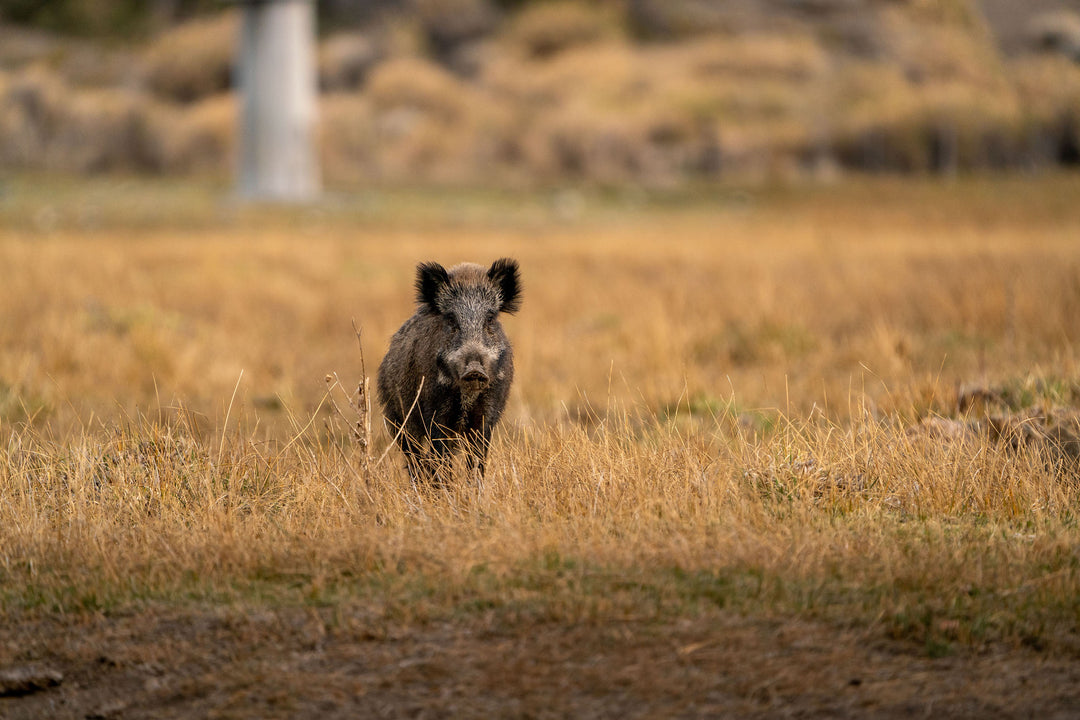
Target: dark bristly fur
[454,360]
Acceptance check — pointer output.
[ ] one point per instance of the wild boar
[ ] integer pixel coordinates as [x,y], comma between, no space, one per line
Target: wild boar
[444,380]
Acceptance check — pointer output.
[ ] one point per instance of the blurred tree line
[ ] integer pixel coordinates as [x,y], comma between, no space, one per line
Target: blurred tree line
[101,17]
[127,18]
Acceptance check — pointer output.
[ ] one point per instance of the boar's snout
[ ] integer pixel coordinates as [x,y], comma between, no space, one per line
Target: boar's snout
[475,374]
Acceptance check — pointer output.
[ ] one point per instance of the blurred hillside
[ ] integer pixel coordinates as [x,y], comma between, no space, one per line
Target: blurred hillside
[611,91]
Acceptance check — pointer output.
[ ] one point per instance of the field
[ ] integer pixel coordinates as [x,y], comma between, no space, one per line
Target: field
[770,450]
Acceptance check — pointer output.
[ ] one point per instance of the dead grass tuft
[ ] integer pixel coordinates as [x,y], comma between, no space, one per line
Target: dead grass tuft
[543,30]
[345,60]
[202,138]
[428,123]
[194,59]
[47,123]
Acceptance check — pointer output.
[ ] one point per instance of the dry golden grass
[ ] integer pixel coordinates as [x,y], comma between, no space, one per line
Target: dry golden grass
[722,400]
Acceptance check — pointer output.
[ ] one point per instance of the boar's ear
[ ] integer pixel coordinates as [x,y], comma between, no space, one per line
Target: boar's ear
[504,273]
[430,277]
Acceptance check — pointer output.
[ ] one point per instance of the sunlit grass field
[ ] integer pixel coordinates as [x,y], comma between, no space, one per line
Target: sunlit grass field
[853,402]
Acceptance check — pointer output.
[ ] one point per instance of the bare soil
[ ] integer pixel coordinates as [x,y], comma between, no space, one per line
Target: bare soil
[303,662]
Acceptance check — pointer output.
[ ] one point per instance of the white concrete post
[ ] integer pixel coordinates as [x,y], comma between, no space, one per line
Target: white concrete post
[277,80]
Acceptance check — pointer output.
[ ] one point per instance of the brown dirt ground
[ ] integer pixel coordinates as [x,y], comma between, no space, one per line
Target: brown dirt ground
[307,663]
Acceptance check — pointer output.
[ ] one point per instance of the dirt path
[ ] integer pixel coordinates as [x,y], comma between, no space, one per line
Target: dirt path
[297,663]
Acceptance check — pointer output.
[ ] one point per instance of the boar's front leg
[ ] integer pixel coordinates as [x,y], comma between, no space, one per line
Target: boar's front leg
[440,460]
[417,462]
[477,441]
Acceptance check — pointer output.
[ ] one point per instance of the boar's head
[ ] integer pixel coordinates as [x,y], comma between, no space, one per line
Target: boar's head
[473,351]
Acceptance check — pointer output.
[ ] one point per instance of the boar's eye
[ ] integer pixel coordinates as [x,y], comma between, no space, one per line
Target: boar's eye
[451,323]
[489,322]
